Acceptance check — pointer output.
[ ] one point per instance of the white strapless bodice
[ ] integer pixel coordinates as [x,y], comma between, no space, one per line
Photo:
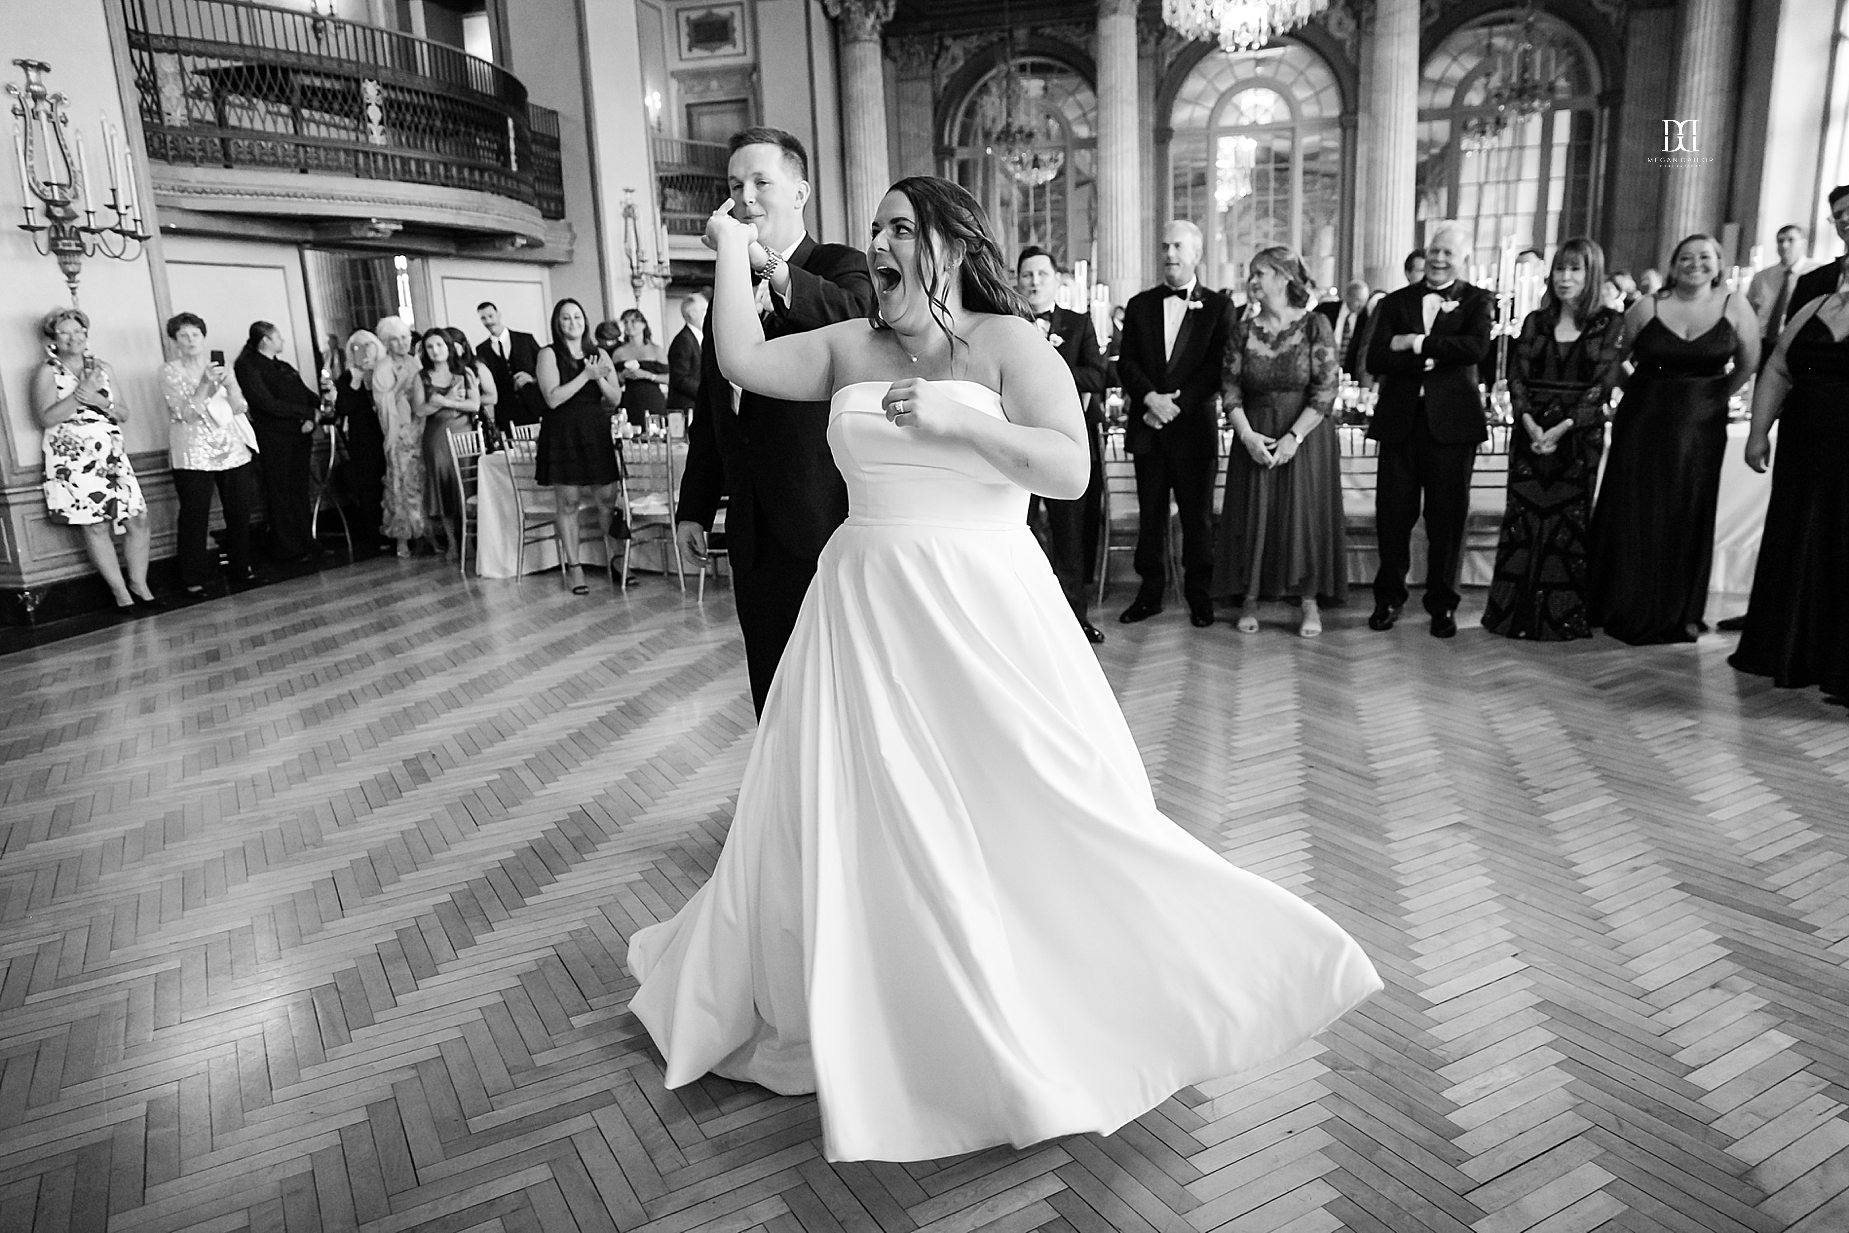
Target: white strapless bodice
[894,474]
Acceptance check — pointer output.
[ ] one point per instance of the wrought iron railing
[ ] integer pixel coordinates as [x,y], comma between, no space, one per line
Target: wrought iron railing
[227,83]
[692,176]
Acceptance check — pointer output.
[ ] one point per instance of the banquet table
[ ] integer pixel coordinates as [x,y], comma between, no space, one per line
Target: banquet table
[498,523]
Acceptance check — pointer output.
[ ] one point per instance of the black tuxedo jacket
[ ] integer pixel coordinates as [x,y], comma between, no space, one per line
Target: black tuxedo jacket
[1077,344]
[522,356]
[1812,286]
[1193,369]
[683,370]
[770,456]
[1354,358]
[1457,342]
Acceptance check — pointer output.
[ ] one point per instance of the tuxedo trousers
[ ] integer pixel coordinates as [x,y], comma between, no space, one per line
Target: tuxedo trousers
[768,593]
[1420,475]
[1188,475]
[1072,536]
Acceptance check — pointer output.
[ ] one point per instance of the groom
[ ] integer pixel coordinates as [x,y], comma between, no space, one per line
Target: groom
[766,457]
[1428,339]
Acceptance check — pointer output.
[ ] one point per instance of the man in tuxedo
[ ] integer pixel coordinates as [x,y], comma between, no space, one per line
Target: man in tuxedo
[1174,342]
[1428,339]
[1347,319]
[512,359]
[684,354]
[1826,278]
[769,458]
[1071,526]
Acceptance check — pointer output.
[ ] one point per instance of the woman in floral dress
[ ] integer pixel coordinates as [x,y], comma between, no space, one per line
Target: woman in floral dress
[392,382]
[89,481]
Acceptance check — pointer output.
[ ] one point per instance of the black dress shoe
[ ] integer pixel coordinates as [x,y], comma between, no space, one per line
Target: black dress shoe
[1200,615]
[1383,617]
[1092,633]
[1141,610]
[1444,625]
[1731,625]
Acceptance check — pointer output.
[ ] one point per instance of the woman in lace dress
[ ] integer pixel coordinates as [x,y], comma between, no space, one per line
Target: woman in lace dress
[1281,533]
[89,481]
[392,382]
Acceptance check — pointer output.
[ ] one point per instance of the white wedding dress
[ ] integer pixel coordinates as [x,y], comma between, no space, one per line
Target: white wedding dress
[948,904]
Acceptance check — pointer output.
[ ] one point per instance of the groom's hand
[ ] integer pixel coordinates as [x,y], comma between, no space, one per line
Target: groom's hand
[691,537]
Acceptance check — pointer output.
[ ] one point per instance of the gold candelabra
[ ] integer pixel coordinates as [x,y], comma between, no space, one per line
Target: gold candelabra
[54,167]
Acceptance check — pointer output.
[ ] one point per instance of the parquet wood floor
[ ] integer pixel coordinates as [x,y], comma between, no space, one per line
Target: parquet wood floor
[313,908]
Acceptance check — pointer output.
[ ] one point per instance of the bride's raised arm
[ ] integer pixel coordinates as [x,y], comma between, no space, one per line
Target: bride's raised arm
[796,367]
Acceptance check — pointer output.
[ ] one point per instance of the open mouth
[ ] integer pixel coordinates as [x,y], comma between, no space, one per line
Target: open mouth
[888,278]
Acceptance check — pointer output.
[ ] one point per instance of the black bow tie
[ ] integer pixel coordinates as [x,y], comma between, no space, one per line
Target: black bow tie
[1446,292]
[1180,293]
[1045,316]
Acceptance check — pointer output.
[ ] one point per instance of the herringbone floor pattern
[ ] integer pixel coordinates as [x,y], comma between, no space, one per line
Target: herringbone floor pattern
[313,909]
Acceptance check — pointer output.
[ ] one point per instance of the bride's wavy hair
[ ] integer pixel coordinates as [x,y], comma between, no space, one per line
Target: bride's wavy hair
[950,219]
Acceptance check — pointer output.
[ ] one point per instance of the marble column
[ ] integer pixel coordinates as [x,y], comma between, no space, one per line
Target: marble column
[1702,97]
[1120,210]
[863,105]
[1389,140]
[915,59]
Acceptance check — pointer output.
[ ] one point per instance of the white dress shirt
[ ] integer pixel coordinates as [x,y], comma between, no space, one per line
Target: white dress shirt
[1174,312]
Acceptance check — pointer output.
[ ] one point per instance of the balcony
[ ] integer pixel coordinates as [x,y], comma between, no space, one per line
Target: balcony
[266,92]
[693,182]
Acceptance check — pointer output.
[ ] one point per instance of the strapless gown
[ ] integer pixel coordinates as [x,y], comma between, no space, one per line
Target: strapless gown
[948,904]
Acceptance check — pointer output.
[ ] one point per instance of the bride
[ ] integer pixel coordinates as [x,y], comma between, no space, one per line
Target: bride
[948,904]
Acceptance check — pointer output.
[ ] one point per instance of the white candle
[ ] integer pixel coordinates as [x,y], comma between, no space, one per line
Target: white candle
[131,206]
[113,151]
[83,174]
[19,153]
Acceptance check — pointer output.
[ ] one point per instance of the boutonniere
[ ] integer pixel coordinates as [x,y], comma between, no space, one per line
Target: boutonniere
[1056,340]
[1195,305]
[1445,306]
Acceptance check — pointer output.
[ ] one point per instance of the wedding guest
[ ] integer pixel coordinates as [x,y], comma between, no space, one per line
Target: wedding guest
[1347,318]
[577,456]
[1826,278]
[210,442]
[1281,534]
[445,399]
[358,415]
[684,354]
[1653,527]
[1773,289]
[643,366]
[1627,285]
[769,458]
[1649,283]
[393,379]
[89,481]
[1429,338]
[1799,611]
[1561,374]
[511,358]
[1072,527]
[1611,295]
[1173,349]
[1414,267]
[283,410]
[462,359]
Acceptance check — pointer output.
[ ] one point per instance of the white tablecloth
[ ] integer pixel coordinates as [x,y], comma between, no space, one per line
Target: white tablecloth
[497,544]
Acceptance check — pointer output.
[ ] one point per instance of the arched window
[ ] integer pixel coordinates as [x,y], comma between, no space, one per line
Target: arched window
[1256,158]
[1059,109]
[1534,181]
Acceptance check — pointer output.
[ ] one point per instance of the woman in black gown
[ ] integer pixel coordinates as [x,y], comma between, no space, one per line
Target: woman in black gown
[643,367]
[358,417]
[1653,529]
[1797,624]
[1561,374]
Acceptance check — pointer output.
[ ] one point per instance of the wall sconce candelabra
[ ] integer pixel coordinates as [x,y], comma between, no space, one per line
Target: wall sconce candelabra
[645,270]
[54,167]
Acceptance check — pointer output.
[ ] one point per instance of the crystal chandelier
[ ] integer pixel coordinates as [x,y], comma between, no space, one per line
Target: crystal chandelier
[1520,87]
[1013,141]
[1238,25]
